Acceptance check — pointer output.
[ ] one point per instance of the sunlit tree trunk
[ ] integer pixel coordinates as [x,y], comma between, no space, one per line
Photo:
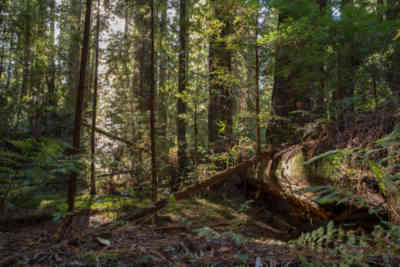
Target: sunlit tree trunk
[220,120]
[79,104]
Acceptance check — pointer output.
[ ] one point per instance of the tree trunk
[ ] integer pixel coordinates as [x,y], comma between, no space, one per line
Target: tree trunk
[27,49]
[257,80]
[220,66]
[152,111]
[142,76]
[79,105]
[290,93]
[74,51]
[163,82]
[52,60]
[181,105]
[94,108]
[346,70]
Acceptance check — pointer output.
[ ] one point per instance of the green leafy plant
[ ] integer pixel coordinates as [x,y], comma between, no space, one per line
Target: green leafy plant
[30,164]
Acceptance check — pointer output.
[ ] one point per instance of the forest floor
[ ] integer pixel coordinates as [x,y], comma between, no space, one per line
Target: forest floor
[219,228]
[207,230]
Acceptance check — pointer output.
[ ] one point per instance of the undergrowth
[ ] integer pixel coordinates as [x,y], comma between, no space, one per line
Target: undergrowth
[340,247]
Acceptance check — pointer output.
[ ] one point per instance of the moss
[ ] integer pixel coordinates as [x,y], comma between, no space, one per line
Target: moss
[292,168]
[329,168]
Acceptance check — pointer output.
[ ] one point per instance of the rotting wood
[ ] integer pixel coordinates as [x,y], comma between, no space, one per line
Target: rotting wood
[319,213]
[109,135]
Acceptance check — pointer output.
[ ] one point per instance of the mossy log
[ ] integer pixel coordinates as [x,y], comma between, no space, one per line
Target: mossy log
[287,176]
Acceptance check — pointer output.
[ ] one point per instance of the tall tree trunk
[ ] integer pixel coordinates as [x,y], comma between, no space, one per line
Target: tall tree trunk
[153,111]
[346,70]
[52,60]
[142,76]
[257,80]
[79,104]
[27,49]
[220,111]
[163,81]
[181,105]
[288,94]
[74,51]
[94,107]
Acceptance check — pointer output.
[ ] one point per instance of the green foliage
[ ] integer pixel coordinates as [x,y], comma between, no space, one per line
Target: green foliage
[29,164]
[348,247]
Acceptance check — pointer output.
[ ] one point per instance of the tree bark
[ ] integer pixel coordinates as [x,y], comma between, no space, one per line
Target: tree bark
[257,80]
[181,105]
[142,76]
[52,60]
[74,21]
[346,70]
[163,82]
[153,111]
[79,105]
[220,120]
[94,108]
[27,49]
[290,93]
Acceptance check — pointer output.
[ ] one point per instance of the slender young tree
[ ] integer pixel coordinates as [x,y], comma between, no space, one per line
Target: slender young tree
[52,60]
[26,76]
[182,82]
[258,129]
[163,81]
[79,104]
[94,107]
[153,111]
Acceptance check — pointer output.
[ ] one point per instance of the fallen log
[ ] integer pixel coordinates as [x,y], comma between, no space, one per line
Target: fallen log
[312,210]
[214,180]
[109,135]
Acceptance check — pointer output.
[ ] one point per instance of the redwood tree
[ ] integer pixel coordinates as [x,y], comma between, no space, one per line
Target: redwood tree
[79,105]
[220,112]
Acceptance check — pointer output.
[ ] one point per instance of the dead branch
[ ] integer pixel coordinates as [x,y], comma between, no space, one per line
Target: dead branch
[109,135]
[115,173]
